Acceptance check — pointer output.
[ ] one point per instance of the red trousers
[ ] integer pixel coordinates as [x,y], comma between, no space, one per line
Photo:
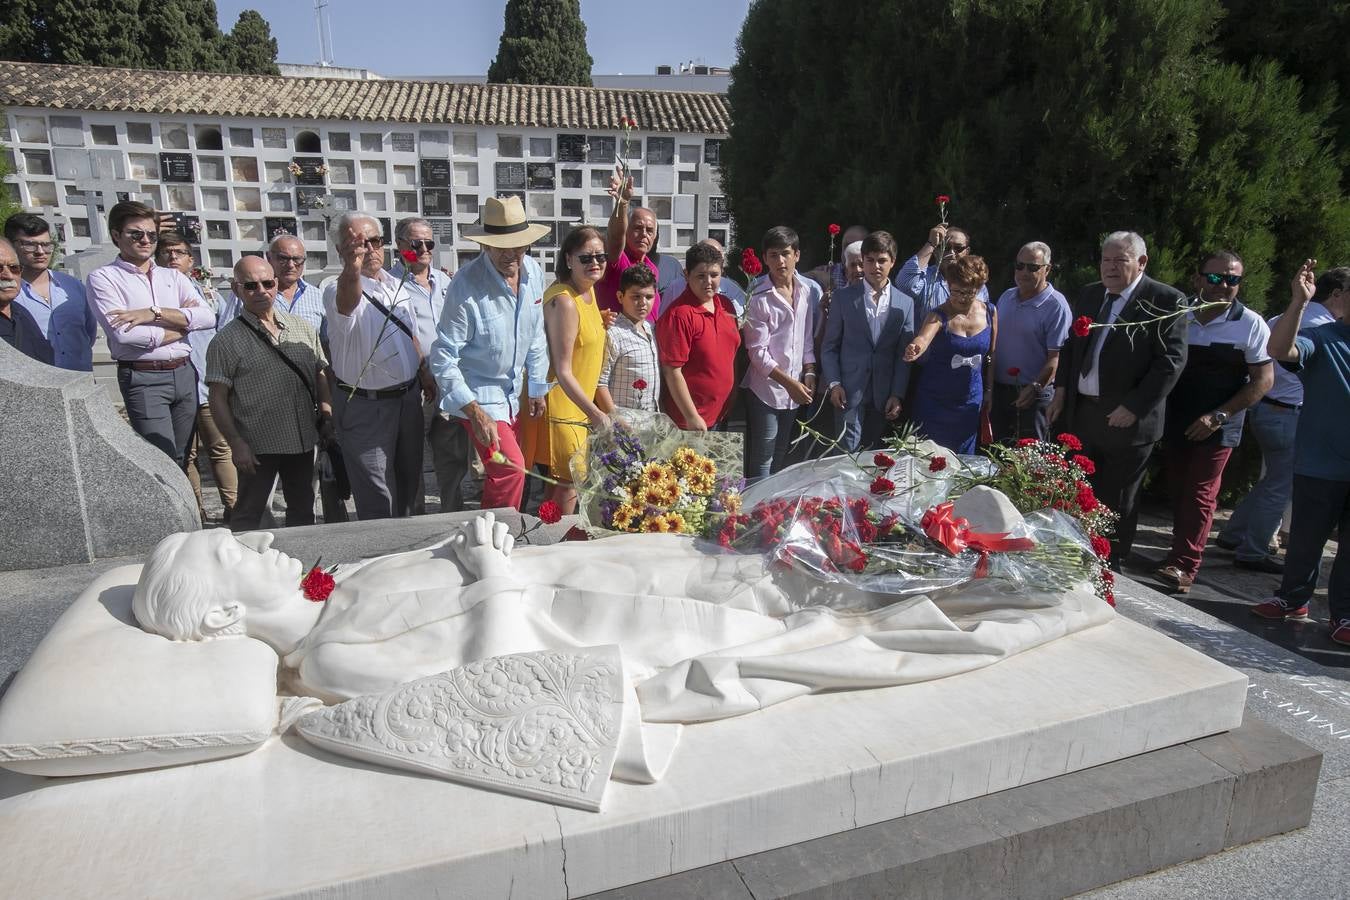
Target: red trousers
[1194,471]
[503,483]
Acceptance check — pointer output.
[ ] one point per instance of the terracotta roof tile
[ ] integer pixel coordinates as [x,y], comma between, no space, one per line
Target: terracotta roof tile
[422,102]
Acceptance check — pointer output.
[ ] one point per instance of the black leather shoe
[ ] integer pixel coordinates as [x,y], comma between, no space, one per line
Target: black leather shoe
[1265,564]
[1224,544]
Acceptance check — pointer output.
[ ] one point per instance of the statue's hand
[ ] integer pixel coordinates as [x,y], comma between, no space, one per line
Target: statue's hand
[484,547]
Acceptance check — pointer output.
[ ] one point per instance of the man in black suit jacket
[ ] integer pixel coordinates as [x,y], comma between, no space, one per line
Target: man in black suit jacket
[1112,385]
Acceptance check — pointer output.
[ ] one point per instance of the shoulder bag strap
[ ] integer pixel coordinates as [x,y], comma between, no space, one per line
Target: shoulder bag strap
[284,358]
[390,316]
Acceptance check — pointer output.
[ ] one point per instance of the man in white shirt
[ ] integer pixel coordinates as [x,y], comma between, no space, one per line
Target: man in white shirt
[378,364]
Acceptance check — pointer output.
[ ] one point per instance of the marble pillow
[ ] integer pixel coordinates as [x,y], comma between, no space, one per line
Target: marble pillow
[101,695]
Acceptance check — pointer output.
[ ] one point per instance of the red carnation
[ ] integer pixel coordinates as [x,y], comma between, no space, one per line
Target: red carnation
[883,461]
[1082,325]
[1087,501]
[1110,597]
[834,228]
[317,585]
[750,263]
[941,199]
[409,256]
[938,464]
[867,532]
[1070,440]
[1082,462]
[1014,371]
[1101,546]
[1026,442]
[640,384]
[881,485]
[1108,577]
[549,512]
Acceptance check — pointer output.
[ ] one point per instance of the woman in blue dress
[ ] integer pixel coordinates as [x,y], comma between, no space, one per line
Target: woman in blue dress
[955,345]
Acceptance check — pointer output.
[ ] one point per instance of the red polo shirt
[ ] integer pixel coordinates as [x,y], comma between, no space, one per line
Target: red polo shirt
[703,344]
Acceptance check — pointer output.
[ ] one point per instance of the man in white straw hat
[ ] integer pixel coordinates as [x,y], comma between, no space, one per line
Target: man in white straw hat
[491,331]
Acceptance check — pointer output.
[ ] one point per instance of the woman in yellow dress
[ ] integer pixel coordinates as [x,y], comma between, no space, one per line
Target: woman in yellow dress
[576,346]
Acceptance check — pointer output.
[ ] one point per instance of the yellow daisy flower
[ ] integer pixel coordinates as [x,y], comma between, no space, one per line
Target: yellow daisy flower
[623,517]
[658,473]
[684,458]
[655,525]
[676,522]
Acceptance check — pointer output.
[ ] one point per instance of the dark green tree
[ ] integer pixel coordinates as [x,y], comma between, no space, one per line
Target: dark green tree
[253,49]
[543,42]
[159,34]
[1054,120]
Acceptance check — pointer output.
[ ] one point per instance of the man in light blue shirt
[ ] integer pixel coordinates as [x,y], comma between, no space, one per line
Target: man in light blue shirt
[920,276]
[491,332]
[424,291]
[55,299]
[296,296]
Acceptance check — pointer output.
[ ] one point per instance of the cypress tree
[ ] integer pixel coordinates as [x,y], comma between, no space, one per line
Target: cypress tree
[543,42]
[1053,120]
[253,49]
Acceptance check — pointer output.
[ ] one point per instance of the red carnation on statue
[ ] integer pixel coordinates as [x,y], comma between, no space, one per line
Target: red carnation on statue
[1014,371]
[549,512]
[834,228]
[1070,440]
[882,460]
[317,585]
[750,263]
[409,256]
[882,485]
[1082,462]
[640,384]
[938,464]
[1082,325]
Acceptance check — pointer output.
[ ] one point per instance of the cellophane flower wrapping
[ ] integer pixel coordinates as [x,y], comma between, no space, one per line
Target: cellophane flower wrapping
[644,474]
[859,526]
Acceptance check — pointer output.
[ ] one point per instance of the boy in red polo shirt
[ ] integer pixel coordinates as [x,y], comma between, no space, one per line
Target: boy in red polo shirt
[697,338]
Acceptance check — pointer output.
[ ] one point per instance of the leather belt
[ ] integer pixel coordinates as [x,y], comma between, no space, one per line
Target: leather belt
[153,365]
[1281,404]
[392,393]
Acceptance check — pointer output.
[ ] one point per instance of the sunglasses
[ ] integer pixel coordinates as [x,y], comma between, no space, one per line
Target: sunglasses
[587,258]
[1215,278]
[136,236]
[374,241]
[12,268]
[266,284]
[1030,267]
[422,246]
[957,248]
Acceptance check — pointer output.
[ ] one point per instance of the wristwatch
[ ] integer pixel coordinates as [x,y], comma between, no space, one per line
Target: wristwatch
[158,313]
[1038,386]
[1221,416]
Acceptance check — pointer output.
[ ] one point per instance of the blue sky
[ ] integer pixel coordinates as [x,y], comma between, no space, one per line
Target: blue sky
[459,37]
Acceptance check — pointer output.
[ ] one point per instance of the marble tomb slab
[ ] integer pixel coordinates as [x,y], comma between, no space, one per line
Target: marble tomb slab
[292,820]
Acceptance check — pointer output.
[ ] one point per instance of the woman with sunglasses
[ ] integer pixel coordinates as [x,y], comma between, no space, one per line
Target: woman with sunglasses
[576,346]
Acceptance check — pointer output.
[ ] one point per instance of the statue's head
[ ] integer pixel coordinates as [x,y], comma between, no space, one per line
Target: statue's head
[206,584]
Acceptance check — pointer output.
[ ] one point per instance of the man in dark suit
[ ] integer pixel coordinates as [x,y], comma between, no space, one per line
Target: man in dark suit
[868,325]
[1112,385]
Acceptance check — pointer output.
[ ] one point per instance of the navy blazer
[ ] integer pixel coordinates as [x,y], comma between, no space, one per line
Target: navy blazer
[869,371]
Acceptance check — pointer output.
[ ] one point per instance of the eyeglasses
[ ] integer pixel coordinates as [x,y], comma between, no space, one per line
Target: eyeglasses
[136,236]
[957,249]
[289,260]
[173,252]
[1030,267]
[422,246]
[12,268]
[36,246]
[377,241]
[587,258]
[1216,278]
[266,284]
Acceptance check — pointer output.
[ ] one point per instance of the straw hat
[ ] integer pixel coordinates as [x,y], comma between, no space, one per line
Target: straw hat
[503,224]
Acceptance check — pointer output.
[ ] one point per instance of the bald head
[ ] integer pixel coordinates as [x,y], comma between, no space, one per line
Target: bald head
[255,285]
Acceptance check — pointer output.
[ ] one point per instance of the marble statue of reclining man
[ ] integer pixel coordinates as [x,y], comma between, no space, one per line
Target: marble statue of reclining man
[704,633]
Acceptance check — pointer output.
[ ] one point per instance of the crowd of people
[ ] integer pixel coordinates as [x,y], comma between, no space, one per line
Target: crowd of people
[391,358]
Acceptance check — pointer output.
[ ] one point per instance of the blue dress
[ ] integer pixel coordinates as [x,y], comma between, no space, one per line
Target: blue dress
[951,387]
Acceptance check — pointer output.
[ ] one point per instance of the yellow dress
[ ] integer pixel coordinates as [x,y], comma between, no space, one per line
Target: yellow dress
[554,440]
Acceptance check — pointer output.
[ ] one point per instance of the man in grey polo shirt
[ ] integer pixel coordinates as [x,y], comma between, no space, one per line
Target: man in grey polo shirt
[1033,323]
[265,372]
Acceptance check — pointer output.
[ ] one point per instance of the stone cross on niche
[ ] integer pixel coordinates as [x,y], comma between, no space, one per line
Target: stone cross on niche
[102,192]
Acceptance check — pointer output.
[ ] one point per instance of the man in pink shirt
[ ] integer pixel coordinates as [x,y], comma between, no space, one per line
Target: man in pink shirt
[780,340]
[147,311]
[631,236]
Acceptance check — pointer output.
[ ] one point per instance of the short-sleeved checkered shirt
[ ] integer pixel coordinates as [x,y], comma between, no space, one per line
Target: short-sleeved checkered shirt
[272,409]
[631,360]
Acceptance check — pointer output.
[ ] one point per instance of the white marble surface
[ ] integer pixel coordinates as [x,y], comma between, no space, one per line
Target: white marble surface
[290,819]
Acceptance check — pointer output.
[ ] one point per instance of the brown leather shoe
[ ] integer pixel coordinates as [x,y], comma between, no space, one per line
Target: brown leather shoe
[1177,581]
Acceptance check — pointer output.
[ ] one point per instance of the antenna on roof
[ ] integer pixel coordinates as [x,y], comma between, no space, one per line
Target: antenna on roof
[325,32]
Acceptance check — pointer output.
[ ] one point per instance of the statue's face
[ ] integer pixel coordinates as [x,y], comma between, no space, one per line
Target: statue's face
[259,578]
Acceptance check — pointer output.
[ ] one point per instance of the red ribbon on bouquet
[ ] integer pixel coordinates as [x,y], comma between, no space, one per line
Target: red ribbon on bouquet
[955,534]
